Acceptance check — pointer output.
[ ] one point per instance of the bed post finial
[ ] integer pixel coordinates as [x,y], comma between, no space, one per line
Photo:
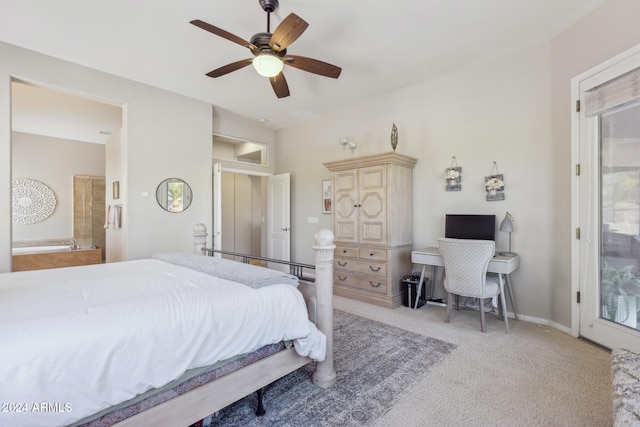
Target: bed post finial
[325,374]
[199,238]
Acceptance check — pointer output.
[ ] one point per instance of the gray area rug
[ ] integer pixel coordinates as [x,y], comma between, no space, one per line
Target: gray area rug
[376,365]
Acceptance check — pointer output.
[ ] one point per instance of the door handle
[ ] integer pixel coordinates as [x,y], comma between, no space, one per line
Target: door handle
[285,229]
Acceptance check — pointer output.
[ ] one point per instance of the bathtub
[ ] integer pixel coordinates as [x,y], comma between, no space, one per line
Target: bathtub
[52,256]
[36,249]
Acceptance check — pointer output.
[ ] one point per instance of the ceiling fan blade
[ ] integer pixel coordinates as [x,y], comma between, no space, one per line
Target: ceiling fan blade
[279,85]
[313,66]
[222,33]
[287,32]
[226,69]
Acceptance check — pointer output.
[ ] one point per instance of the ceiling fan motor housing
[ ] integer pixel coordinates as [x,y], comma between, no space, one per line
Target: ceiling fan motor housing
[261,41]
[269,5]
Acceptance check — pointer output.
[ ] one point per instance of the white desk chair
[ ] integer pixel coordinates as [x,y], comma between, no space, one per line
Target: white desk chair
[465,268]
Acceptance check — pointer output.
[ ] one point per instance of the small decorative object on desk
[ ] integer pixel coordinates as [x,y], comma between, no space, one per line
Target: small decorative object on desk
[453,176]
[494,184]
[394,137]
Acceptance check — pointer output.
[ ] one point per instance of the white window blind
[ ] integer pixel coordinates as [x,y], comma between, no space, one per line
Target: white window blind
[614,93]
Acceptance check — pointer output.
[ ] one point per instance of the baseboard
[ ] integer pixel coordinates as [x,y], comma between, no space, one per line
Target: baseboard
[545,322]
[531,319]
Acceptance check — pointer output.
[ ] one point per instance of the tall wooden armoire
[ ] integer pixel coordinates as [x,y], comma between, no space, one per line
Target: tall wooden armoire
[372,217]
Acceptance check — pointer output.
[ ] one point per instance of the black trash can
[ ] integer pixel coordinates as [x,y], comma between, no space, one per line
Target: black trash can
[409,286]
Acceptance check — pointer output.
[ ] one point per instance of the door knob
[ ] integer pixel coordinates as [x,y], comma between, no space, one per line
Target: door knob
[285,229]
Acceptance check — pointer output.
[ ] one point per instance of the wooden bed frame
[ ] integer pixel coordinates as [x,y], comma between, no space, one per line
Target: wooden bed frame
[203,401]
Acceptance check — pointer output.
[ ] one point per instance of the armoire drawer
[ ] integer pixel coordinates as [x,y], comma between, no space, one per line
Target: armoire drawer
[346,251]
[361,281]
[373,254]
[360,266]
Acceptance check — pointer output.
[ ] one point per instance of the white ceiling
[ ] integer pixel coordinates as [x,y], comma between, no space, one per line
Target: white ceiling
[381,45]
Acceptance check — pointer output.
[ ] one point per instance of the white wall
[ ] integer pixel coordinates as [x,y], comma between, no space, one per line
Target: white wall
[164,135]
[116,245]
[514,110]
[54,162]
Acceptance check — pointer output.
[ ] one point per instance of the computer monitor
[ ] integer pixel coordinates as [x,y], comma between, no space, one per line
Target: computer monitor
[477,227]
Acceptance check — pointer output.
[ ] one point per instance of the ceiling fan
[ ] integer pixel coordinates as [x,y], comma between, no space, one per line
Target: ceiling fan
[270,50]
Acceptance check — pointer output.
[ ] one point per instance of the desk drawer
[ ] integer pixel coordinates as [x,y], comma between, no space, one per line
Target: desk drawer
[361,281]
[373,254]
[358,266]
[346,251]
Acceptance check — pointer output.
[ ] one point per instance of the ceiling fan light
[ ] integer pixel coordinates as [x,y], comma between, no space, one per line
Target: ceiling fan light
[268,65]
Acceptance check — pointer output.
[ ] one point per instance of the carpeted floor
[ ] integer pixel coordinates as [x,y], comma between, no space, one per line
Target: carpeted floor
[376,365]
[531,377]
[534,376]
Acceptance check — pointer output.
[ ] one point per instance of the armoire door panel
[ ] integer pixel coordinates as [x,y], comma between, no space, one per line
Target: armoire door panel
[344,181]
[344,206]
[372,232]
[372,178]
[345,231]
[372,205]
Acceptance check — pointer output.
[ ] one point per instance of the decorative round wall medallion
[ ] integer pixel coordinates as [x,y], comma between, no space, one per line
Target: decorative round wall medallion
[31,201]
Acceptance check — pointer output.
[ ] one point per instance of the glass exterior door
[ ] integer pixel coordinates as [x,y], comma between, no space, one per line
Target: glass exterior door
[619,135]
[608,204]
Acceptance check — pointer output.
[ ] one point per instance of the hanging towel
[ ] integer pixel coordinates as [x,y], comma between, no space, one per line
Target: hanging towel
[108,214]
[112,217]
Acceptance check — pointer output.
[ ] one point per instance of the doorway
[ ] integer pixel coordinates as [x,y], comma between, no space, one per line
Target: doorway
[56,136]
[248,208]
[243,213]
[240,172]
[607,208]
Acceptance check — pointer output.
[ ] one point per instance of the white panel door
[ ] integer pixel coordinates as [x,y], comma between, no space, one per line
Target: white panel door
[278,221]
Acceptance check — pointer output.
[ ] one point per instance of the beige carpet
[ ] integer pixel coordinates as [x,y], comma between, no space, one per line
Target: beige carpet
[533,376]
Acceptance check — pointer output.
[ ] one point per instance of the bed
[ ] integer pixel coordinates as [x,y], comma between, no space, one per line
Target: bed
[82,340]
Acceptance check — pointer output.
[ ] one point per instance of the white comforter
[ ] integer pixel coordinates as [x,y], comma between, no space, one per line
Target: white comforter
[74,341]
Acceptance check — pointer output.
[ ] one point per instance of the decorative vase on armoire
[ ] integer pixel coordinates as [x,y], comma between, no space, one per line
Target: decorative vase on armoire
[372,217]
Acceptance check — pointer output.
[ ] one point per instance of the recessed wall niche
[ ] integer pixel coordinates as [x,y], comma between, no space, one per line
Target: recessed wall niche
[240,150]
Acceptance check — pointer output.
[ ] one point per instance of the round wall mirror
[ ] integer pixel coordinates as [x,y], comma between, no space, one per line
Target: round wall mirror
[174,195]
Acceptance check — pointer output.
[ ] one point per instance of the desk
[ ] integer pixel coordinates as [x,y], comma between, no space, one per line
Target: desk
[500,264]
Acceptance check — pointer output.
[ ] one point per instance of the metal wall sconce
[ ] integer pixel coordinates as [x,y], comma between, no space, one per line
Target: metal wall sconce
[344,142]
